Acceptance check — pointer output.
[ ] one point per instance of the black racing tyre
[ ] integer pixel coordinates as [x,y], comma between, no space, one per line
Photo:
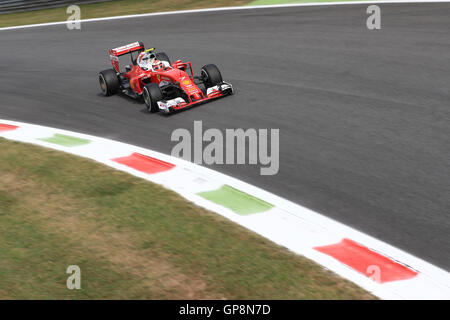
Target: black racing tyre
[162,56]
[211,75]
[151,94]
[109,82]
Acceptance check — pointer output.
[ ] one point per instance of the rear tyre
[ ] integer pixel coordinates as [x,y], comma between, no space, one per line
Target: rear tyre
[109,82]
[151,94]
[211,75]
[162,56]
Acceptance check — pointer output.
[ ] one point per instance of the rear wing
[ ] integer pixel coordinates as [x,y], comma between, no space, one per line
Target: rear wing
[114,54]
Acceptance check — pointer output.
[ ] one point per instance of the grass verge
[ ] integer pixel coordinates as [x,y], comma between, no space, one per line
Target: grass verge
[133,240]
[112,8]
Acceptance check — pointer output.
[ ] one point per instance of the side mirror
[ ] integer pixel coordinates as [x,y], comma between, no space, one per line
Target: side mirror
[181,67]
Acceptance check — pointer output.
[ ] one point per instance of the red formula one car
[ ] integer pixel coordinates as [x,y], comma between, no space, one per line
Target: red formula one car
[163,86]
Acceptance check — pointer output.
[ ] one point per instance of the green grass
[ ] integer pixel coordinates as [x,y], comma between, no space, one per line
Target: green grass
[112,8]
[133,240]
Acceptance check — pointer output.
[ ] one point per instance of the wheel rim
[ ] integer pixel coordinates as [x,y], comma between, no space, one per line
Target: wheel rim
[103,86]
[147,99]
[205,76]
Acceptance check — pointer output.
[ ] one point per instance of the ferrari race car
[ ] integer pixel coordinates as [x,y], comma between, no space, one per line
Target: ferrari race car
[162,85]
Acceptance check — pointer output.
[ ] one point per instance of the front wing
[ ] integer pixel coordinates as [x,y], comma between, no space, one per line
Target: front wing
[212,93]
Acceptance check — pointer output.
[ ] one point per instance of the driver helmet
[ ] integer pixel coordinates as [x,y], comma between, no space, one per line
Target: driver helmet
[145,57]
[158,65]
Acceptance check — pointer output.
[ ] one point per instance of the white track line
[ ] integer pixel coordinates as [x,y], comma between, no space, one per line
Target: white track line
[287,224]
[226,9]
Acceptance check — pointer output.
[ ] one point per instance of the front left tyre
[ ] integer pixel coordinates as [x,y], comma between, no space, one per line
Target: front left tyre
[109,82]
[151,94]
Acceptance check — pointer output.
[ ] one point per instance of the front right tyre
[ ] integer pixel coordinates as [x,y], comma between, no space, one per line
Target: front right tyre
[211,75]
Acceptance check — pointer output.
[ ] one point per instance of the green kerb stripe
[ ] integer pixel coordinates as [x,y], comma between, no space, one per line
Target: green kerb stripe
[235,200]
[66,141]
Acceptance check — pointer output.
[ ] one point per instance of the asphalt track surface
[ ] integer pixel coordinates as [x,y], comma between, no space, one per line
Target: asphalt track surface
[364,116]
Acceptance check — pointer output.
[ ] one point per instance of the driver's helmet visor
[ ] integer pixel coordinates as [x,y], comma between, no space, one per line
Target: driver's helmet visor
[148,57]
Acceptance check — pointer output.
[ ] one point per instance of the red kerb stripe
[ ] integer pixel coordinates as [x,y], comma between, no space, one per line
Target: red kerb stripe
[7,127]
[370,263]
[144,163]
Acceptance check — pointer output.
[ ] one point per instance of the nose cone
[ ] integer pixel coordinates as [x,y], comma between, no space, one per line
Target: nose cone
[197,96]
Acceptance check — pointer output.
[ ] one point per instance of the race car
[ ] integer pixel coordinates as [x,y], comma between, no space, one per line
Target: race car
[162,85]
